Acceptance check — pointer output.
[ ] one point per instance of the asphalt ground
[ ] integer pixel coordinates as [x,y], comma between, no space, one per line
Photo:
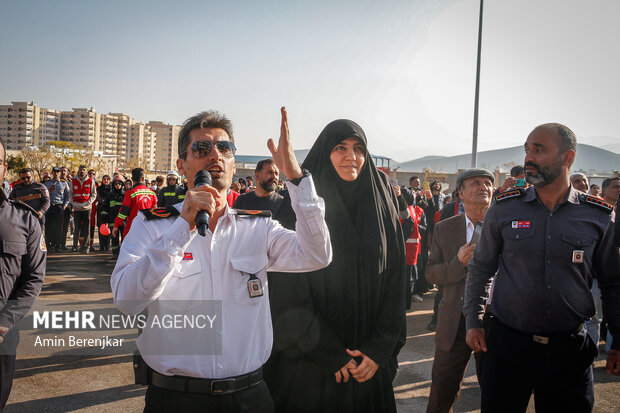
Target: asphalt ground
[91,383]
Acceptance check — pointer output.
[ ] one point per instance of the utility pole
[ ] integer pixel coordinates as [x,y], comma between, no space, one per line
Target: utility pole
[474,146]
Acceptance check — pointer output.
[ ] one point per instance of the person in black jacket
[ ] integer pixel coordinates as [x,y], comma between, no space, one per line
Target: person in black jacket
[168,195]
[22,261]
[111,207]
[103,190]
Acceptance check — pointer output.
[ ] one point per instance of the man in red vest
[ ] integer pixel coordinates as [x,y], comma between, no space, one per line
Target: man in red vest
[83,192]
[137,198]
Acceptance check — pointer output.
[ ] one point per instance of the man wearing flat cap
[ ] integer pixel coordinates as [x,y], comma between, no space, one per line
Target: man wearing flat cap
[451,250]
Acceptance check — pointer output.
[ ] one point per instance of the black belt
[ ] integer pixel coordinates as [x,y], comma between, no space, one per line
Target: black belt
[544,338]
[215,387]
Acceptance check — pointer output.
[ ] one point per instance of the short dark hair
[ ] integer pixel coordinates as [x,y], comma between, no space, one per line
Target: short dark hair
[3,151]
[25,170]
[159,178]
[263,162]
[567,137]
[516,171]
[137,174]
[414,177]
[203,120]
[608,181]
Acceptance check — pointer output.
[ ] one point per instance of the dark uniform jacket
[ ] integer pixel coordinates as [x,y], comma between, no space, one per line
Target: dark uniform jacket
[22,259]
[35,195]
[168,196]
[545,263]
[112,205]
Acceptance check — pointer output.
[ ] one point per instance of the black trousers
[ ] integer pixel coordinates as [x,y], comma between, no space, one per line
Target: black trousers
[8,347]
[65,225]
[53,225]
[253,399]
[412,278]
[104,240]
[81,223]
[7,369]
[116,241]
[559,373]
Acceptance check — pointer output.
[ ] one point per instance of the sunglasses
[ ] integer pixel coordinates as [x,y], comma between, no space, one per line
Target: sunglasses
[203,148]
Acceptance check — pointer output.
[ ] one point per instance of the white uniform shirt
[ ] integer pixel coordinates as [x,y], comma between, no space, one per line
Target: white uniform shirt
[150,268]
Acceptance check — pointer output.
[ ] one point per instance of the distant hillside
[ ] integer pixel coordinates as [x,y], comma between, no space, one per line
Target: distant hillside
[589,158]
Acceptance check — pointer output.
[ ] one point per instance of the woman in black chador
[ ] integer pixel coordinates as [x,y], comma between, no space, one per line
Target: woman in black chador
[337,331]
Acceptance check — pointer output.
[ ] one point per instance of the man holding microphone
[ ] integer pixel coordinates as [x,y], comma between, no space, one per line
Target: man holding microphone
[164,258]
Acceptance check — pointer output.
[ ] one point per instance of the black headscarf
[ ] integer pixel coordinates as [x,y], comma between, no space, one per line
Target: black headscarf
[361,293]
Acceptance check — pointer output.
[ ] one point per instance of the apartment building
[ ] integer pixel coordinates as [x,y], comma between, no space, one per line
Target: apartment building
[141,143]
[25,124]
[81,127]
[116,136]
[166,147]
[17,124]
[46,126]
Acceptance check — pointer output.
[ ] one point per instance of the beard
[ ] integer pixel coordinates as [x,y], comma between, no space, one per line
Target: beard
[269,186]
[544,176]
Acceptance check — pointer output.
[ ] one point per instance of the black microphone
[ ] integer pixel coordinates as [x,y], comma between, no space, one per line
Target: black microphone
[202,218]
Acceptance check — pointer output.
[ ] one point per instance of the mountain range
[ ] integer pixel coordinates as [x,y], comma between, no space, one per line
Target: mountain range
[589,159]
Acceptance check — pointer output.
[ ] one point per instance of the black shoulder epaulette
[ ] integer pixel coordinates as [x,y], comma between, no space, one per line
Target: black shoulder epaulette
[25,206]
[597,202]
[160,212]
[253,213]
[513,193]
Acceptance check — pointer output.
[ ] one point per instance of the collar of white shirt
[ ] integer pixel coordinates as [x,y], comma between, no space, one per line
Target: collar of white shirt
[469,228]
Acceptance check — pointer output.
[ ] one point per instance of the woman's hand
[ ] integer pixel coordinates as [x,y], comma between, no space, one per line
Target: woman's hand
[366,369]
[342,375]
[283,155]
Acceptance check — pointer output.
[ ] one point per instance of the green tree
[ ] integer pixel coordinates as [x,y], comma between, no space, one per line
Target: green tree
[16,162]
[39,159]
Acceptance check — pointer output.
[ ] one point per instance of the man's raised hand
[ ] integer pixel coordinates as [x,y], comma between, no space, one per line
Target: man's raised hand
[283,155]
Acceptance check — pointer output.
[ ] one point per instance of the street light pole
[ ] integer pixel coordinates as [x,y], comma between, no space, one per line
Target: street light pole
[474,146]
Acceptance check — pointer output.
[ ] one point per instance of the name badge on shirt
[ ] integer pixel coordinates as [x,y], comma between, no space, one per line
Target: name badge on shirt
[578,257]
[187,256]
[255,287]
[521,224]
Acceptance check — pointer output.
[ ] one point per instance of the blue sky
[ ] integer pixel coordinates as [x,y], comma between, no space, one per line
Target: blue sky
[404,70]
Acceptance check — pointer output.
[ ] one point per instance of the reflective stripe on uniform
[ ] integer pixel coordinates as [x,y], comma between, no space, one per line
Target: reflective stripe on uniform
[142,192]
[121,216]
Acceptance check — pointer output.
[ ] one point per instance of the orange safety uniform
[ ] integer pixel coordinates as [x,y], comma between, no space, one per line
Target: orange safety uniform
[136,199]
[412,243]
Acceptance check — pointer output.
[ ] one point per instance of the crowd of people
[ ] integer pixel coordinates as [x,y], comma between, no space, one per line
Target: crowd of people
[77,204]
[315,275]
